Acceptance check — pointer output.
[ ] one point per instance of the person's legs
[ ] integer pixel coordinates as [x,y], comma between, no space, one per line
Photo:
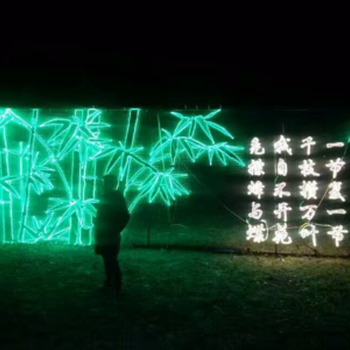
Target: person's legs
[108,265]
[112,268]
[117,270]
[117,274]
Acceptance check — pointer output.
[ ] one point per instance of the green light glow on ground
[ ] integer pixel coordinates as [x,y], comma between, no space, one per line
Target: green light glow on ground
[49,178]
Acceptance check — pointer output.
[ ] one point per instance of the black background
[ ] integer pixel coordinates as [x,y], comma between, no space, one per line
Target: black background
[55,73]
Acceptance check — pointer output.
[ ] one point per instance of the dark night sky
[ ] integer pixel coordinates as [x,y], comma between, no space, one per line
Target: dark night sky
[70,74]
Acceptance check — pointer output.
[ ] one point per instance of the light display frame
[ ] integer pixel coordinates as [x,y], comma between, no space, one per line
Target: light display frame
[35,168]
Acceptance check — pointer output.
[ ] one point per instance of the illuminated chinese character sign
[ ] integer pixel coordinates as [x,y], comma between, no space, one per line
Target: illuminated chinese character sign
[296,191]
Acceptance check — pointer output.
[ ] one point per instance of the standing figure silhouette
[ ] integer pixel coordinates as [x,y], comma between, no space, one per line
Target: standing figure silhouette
[112,218]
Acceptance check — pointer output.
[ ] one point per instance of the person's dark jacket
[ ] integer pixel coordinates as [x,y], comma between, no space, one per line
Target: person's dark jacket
[112,218]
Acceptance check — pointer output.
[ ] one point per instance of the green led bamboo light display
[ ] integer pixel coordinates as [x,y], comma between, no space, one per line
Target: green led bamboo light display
[58,164]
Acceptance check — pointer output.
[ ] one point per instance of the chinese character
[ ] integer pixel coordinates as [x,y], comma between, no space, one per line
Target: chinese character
[283,208]
[255,147]
[256,167]
[308,189]
[256,233]
[282,168]
[308,142]
[310,211]
[335,144]
[256,188]
[279,190]
[337,234]
[256,212]
[309,230]
[335,188]
[335,166]
[307,168]
[336,212]
[281,235]
[282,146]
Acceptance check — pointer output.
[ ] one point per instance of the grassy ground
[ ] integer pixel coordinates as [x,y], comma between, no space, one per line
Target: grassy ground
[50,299]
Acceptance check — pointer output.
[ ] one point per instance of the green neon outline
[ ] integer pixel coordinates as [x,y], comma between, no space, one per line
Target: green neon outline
[78,140]
[183,141]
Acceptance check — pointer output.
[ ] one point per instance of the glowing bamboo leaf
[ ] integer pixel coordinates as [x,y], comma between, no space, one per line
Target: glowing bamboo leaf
[105,152]
[5,183]
[113,161]
[212,114]
[179,115]
[41,227]
[157,184]
[135,180]
[173,151]
[161,145]
[75,131]
[231,153]
[182,125]
[165,196]
[186,144]
[56,234]
[69,143]
[77,207]
[220,129]
[203,124]
[221,156]
[172,145]
[63,124]
[193,127]
[5,118]
[210,155]
[40,176]
[201,121]
[124,169]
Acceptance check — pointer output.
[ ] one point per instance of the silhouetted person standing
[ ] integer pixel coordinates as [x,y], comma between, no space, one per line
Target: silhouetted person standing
[112,217]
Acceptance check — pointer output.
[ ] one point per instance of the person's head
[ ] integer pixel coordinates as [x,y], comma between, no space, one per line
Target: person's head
[109,183]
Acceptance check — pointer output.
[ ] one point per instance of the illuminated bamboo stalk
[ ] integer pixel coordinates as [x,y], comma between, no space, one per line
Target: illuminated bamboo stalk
[163,162]
[94,178]
[83,170]
[76,186]
[71,221]
[8,173]
[80,197]
[17,119]
[23,123]
[2,202]
[27,187]
[130,135]
[82,174]
[21,180]
[160,138]
[81,166]
[6,198]
[94,182]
